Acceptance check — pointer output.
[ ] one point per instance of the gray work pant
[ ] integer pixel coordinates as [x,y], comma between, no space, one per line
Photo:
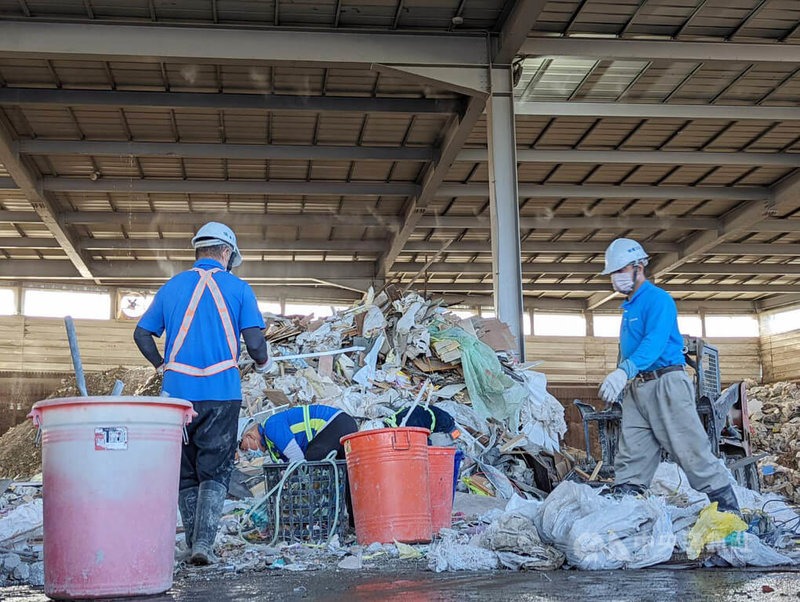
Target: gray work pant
[661,413]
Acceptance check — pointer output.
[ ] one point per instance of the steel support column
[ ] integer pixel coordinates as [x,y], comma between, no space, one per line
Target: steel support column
[504,205]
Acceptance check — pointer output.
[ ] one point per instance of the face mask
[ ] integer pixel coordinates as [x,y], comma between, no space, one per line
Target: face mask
[622,282]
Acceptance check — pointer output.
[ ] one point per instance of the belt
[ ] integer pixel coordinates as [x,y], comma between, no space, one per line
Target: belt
[645,376]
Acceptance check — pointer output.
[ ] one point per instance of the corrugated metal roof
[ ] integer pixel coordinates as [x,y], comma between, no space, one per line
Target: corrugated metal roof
[559,79]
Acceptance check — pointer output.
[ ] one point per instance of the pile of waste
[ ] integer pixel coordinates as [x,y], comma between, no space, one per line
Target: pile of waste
[21,459]
[775,419]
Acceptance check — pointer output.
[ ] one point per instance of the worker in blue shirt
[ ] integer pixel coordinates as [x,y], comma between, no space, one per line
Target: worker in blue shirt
[658,399]
[308,432]
[203,312]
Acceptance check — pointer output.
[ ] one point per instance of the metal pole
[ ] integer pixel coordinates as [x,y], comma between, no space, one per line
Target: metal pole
[504,205]
[80,379]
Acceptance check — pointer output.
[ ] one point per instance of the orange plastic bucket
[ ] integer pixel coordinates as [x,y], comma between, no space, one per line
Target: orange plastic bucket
[388,474]
[441,466]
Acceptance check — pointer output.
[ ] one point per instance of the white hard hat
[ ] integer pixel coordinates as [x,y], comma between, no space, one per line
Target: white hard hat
[245,424]
[622,252]
[214,233]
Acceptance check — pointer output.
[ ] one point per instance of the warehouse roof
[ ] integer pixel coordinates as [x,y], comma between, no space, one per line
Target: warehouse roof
[345,142]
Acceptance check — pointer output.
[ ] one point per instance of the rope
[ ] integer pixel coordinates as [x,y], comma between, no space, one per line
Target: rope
[261,503]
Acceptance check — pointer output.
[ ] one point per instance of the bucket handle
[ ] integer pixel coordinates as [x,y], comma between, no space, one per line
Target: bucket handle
[36,415]
[407,442]
[188,415]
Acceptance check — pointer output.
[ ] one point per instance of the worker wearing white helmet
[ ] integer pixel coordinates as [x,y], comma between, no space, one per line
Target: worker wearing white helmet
[658,400]
[203,312]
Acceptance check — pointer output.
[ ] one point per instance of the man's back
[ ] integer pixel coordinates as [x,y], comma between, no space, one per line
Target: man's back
[206,342]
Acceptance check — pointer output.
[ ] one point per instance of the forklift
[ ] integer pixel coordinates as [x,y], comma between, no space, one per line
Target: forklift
[723,413]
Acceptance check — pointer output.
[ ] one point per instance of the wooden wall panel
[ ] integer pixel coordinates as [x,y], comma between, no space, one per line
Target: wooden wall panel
[781,356]
[40,344]
[588,360]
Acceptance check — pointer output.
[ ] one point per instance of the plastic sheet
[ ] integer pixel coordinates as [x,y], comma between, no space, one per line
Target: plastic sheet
[492,392]
[596,532]
[454,553]
[541,415]
[23,521]
[712,525]
[517,542]
[745,549]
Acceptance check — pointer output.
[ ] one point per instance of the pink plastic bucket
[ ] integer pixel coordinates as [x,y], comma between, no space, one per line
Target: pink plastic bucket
[110,468]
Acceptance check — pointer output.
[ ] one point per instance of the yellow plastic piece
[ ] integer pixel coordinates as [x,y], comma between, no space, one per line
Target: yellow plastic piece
[712,525]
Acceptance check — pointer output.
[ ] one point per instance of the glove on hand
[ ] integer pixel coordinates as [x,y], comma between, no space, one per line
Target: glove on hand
[613,385]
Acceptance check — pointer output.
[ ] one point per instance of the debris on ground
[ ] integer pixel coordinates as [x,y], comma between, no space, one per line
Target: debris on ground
[775,420]
[21,524]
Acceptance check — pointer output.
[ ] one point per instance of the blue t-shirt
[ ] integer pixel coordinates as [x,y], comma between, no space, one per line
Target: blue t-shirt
[205,344]
[289,424]
[649,337]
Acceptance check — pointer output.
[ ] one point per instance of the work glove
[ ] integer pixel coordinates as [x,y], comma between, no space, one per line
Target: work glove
[160,369]
[265,367]
[268,365]
[613,385]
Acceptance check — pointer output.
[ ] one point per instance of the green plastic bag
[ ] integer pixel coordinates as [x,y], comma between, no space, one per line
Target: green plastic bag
[712,525]
[493,393]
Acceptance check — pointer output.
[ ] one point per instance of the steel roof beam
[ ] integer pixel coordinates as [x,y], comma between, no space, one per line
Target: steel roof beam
[588,222]
[700,269]
[221,45]
[238,187]
[603,191]
[226,101]
[646,50]
[545,247]
[143,218]
[29,184]
[457,132]
[589,191]
[642,110]
[448,267]
[515,29]
[747,216]
[246,244]
[250,244]
[162,218]
[190,150]
[561,287]
[600,157]
[386,221]
[757,269]
[162,270]
[19,242]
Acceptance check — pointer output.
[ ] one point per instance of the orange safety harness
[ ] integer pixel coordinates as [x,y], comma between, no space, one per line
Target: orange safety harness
[206,282]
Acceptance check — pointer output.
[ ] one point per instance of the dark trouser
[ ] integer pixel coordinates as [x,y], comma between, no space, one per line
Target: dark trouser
[327,439]
[212,443]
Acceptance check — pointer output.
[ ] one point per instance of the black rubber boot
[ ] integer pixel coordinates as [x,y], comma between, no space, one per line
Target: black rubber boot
[187,505]
[726,500]
[622,489]
[210,500]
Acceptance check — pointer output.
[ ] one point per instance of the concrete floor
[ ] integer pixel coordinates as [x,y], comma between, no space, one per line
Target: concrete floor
[422,586]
